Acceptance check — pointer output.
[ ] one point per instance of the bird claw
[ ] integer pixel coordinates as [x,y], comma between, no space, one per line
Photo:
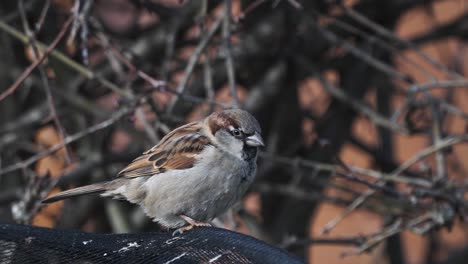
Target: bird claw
[180,231]
[191,224]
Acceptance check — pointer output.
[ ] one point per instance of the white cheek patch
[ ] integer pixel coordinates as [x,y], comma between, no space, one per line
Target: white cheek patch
[227,143]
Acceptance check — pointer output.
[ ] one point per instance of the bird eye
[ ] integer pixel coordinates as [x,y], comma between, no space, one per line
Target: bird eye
[236,132]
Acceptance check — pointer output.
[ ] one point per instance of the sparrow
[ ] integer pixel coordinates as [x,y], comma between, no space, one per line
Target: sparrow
[194,174]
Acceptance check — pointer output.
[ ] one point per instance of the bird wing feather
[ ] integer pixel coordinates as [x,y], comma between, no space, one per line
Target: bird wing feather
[176,151]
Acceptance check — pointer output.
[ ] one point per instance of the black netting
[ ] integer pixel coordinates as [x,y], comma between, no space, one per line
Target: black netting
[28,244]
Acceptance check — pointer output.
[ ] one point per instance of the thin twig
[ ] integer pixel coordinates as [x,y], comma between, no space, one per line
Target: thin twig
[44,79]
[40,21]
[150,132]
[386,33]
[192,62]
[208,79]
[442,144]
[437,134]
[408,163]
[116,60]
[417,88]
[339,241]
[250,8]
[376,239]
[69,139]
[372,38]
[88,74]
[350,208]
[363,55]
[298,193]
[332,169]
[228,61]
[34,65]
[295,4]
[377,118]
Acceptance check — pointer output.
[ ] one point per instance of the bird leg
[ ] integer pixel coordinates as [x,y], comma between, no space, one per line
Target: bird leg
[191,223]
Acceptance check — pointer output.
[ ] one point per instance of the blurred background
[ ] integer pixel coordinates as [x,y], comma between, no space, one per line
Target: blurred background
[363,106]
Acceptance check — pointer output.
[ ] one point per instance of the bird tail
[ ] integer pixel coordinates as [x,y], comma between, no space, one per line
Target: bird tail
[93,188]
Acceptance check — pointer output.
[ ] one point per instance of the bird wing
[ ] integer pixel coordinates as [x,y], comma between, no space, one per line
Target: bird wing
[176,151]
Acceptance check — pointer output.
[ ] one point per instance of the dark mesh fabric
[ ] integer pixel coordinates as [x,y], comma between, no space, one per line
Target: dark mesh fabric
[28,244]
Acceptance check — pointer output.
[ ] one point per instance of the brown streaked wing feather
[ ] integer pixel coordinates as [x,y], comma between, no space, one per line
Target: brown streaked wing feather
[172,153]
[176,133]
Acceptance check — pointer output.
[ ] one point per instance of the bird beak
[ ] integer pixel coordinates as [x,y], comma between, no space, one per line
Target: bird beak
[255,140]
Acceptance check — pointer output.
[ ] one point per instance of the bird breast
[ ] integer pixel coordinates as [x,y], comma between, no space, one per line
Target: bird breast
[208,189]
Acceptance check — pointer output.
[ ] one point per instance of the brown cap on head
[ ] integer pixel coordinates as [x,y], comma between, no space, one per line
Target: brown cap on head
[236,118]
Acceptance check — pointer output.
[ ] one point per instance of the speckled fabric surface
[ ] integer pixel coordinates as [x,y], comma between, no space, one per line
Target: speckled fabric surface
[28,244]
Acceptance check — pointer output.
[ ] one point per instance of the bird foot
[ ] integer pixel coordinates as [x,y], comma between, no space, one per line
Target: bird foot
[191,224]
